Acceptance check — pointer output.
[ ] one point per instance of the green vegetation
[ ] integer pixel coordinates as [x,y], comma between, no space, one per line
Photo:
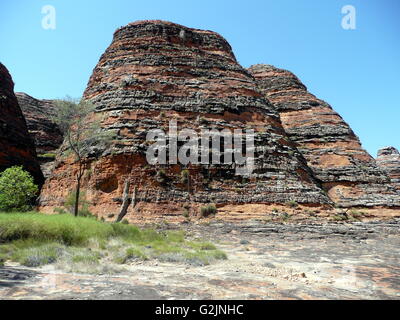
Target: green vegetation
[357,215]
[352,216]
[162,176]
[340,217]
[292,204]
[284,216]
[185,176]
[208,210]
[17,189]
[57,228]
[186,213]
[83,204]
[47,155]
[82,244]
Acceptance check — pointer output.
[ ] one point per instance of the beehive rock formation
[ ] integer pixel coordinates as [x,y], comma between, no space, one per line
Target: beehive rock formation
[156,71]
[47,136]
[16,145]
[334,153]
[389,160]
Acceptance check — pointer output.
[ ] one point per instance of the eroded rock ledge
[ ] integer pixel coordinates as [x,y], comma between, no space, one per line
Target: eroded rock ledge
[389,160]
[334,153]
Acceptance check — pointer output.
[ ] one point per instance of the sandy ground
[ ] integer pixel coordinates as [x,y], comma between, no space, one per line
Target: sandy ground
[265,261]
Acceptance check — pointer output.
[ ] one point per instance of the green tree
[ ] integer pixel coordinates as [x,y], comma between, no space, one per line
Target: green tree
[17,189]
[83,135]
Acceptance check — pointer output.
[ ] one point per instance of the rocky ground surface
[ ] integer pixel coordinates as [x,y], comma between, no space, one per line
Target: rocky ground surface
[359,260]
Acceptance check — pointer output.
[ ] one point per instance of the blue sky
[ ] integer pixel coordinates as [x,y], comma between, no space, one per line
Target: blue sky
[356,71]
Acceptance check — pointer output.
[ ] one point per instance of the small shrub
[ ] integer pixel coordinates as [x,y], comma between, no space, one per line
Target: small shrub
[292,204]
[186,213]
[185,176]
[88,173]
[85,258]
[125,221]
[202,120]
[130,254]
[17,189]
[245,180]
[285,216]
[208,210]
[135,253]
[340,217]
[357,214]
[202,245]
[83,210]
[162,176]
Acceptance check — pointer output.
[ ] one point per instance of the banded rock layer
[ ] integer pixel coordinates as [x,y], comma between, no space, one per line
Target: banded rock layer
[389,160]
[16,145]
[156,71]
[45,132]
[334,153]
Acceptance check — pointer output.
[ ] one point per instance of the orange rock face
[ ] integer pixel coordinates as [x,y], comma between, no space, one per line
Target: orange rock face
[16,145]
[332,150]
[154,72]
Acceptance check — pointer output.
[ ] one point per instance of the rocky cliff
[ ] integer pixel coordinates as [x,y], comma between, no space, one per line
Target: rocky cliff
[389,160]
[334,153]
[47,136]
[16,145]
[154,72]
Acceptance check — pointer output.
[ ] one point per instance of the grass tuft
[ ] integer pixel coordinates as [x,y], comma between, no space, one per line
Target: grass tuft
[85,244]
